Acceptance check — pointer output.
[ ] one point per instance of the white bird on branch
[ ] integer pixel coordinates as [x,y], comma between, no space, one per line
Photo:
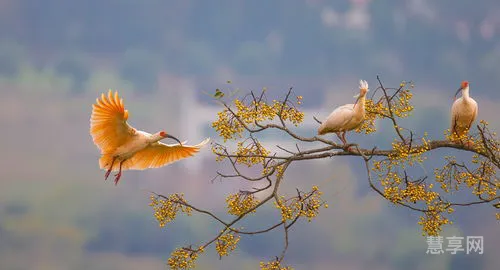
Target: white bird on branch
[346,117]
[463,111]
[126,148]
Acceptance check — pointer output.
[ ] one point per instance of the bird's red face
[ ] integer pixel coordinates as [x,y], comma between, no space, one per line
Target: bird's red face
[464,84]
[163,134]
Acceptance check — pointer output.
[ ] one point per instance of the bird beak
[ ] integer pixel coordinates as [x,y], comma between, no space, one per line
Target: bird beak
[458,91]
[357,99]
[172,137]
[355,103]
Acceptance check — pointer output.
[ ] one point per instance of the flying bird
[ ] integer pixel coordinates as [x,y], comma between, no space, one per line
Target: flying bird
[463,111]
[218,93]
[126,148]
[346,117]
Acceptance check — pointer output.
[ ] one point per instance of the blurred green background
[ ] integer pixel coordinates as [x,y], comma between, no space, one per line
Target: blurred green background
[56,56]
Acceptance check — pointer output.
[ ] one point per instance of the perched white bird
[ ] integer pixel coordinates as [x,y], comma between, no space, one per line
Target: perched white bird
[126,148]
[346,117]
[463,111]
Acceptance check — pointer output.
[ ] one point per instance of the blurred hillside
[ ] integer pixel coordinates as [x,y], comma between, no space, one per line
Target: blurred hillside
[56,212]
[437,42]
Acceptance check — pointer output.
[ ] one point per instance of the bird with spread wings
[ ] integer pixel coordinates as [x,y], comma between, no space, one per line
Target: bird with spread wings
[125,148]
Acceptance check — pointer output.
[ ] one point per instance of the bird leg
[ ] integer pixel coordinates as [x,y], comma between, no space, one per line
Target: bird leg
[342,138]
[109,170]
[119,174]
[338,135]
[345,141]
[454,133]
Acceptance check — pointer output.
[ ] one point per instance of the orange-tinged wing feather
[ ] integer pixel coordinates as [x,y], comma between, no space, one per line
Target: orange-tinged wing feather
[160,154]
[108,123]
[106,160]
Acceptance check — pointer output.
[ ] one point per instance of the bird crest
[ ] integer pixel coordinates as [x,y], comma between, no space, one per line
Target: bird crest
[363,84]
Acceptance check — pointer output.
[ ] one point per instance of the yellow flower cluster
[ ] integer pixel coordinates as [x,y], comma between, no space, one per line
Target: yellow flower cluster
[419,192]
[280,171]
[289,209]
[288,113]
[255,111]
[165,210]
[240,203]
[251,154]
[226,243]
[402,107]
[412,193]
[227,127]
[373,111]
[312,204]
[393,193]
[397,189]
[484,125]
[490,145]
[299,100]
[403,155]
[482,180]
[464,138]
[273,265]
[433,220]
[218,150]
[183,259]
[307,205]
[390,182]
[230,125]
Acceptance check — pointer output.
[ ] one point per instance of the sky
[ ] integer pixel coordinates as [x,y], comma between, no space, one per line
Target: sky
[56,57]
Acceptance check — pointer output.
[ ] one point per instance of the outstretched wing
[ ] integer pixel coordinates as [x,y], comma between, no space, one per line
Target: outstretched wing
[160,154]
[337,119]
[108,123]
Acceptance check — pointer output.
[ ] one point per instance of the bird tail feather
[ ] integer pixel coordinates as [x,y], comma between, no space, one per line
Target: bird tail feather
[322,129]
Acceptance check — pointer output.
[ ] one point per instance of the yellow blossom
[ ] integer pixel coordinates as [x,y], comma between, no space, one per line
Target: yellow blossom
[273,265]
[166,209]
[239,203]
[183,259]
[230,124]
[226,243]
[306,205]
